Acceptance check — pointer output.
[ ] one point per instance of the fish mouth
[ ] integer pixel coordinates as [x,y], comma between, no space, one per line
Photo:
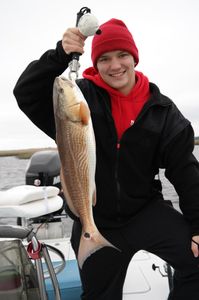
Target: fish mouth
[62,78]
[59,80]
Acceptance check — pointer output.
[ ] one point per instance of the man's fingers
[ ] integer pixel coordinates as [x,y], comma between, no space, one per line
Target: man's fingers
[73,41]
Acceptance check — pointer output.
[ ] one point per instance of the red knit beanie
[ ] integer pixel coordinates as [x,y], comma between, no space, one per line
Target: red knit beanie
[114,36]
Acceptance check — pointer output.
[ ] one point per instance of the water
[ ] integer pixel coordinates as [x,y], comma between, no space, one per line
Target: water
[12,171]
[168,190]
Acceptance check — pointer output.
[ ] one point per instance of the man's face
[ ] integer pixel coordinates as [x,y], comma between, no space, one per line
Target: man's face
[117,70]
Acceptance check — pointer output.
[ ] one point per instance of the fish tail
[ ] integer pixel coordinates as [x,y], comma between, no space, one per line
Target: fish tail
[89,244]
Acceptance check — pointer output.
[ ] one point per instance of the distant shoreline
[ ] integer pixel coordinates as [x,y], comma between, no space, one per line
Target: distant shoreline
[27,153]
[24,153]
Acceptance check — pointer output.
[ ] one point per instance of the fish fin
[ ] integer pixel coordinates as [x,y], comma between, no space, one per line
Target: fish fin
[89,244]
[84,113]
[66,194]
[94,199]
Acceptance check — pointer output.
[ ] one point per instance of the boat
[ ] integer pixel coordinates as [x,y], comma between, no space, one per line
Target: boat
[40,205]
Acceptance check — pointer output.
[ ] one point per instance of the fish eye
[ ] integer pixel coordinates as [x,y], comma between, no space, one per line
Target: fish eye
[61,90]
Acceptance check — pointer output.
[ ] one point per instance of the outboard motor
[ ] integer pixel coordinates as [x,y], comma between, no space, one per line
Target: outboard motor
[44,169]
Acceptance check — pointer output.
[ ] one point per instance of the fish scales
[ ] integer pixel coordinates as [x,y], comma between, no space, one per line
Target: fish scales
[76,170]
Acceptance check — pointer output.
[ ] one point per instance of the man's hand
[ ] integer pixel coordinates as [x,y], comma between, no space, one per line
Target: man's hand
[73,41]
[195,245]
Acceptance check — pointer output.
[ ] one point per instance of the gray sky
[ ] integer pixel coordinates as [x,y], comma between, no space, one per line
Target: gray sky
[166,34]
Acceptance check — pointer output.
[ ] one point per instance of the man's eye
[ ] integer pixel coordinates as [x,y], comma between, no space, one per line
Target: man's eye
[124,54]
[102,59]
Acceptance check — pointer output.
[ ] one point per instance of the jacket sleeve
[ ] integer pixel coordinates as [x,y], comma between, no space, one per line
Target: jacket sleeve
[182,170]
[34,88]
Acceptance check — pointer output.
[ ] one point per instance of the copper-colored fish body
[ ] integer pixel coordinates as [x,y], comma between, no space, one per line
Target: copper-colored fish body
[76,145]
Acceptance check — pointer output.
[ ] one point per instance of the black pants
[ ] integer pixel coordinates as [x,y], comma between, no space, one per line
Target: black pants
[159,229]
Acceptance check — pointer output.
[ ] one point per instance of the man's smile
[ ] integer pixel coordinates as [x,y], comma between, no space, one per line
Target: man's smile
[118,74]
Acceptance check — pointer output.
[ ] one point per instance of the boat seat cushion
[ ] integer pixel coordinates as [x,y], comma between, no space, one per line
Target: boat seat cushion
[32,209]
[26,193]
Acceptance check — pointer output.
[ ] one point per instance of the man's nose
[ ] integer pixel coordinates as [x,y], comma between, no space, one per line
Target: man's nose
[115,63]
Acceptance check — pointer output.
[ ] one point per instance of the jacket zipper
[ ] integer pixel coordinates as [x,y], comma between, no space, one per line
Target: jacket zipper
[117,183]
[118,188]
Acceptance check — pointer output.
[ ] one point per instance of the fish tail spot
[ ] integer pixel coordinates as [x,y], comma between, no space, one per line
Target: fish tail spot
[87,235]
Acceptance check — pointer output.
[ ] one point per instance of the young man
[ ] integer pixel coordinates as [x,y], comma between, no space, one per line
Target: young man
[138,130]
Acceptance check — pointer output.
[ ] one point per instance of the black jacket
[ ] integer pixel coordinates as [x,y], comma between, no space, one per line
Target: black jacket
[160,138]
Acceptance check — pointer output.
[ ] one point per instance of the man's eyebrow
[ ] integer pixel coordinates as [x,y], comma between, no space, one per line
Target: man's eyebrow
[103,55]
[119,52]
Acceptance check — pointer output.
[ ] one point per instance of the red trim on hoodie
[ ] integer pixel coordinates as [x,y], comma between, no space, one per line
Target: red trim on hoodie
[125,108]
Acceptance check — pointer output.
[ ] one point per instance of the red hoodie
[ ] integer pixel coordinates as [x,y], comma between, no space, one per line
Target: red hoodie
[125,108]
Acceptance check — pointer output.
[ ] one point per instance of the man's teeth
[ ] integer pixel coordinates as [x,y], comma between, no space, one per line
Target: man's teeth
[117,74]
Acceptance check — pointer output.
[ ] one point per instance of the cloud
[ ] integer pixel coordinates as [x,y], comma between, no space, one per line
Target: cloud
[166,33]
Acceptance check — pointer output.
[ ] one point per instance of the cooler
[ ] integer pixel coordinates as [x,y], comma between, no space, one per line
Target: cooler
[69,282]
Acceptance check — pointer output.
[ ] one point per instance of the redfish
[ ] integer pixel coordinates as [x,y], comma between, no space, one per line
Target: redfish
[76,146]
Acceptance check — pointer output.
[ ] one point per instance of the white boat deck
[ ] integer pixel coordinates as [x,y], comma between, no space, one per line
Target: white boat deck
[142,282]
